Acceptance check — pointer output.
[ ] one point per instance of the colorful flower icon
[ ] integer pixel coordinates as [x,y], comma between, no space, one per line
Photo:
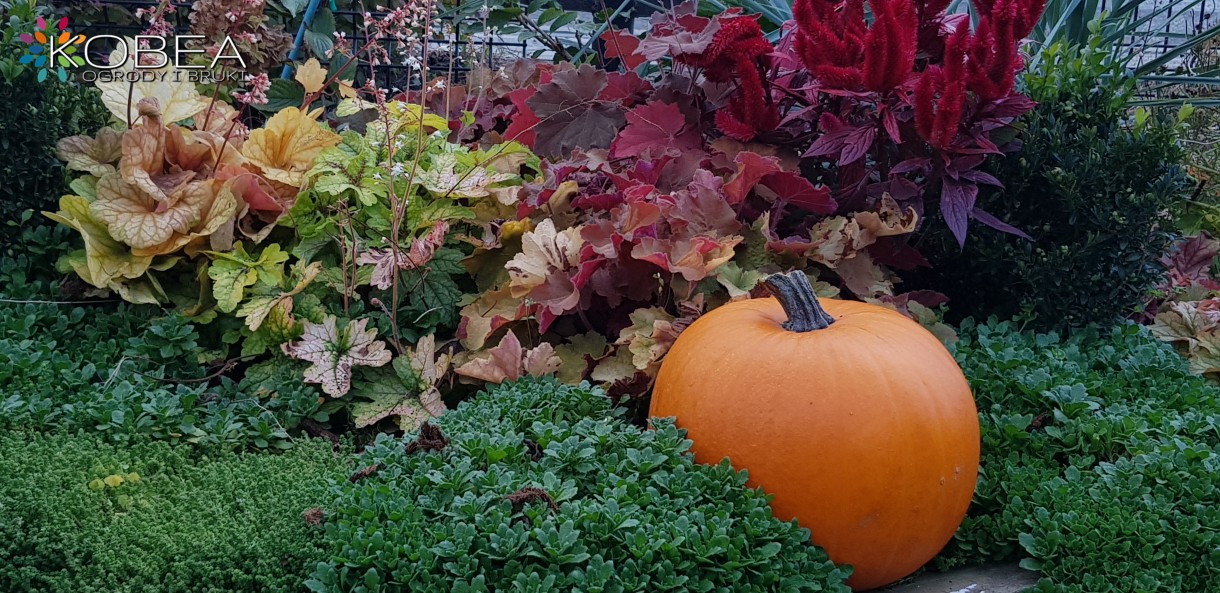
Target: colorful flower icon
[52,50]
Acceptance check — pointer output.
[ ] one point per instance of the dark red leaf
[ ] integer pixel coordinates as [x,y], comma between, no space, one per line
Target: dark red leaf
[798,191]
[572,116]
[621,45]
[751,168]
[654,129]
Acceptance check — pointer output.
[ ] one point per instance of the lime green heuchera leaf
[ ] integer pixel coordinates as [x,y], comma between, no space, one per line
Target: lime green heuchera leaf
[231,272]
[256,310]
[229,281]
[408,116]
[352,168]
[737,281]
[577,353]
[85,186]
[104,262]
[334,353]
[649,337]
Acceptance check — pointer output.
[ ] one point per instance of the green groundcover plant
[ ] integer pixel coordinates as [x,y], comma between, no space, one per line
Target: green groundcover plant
[128,372]
[82,516]
[1099,460]
[536,487]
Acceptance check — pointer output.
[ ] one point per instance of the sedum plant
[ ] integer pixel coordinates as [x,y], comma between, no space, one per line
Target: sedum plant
[534,486]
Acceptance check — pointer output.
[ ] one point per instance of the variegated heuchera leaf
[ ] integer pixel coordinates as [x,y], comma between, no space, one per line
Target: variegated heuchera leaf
[258,308]
[385,260]
[140,220]
[537,272]
[334,353]
[444,179]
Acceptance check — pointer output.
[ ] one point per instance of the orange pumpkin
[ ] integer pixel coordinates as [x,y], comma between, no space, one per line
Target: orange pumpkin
[854,417]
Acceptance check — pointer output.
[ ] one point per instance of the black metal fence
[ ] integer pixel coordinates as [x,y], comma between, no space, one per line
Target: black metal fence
[464,46]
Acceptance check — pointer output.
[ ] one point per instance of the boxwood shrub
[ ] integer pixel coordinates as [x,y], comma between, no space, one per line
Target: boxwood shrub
[81,515]
[1092,186]
[35,116]
[537,487]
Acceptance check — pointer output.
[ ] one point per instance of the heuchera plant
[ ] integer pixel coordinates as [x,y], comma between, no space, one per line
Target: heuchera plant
[1188,313]
[673,187]
[332,248]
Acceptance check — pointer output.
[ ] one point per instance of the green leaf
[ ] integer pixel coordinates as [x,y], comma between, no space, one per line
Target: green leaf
[433,292]
[320,36]
[229,282]
[283,93]
[294,7]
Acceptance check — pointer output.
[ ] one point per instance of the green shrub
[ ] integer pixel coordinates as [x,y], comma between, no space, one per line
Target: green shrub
[35,116]
[1091,187]
[174,523]
[1099,460]
[127,372]
[617,509]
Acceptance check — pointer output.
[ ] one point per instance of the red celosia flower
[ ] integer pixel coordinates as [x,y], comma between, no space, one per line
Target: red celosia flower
[736,52]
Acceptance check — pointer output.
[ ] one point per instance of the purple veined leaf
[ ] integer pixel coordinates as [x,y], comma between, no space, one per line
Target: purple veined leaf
[957,199]
[982,177]
[797,114]
[916,165]
[829,143]
[857,144]
[1014,105]
[986,218]
[891,126]
[984,144]
[966,163]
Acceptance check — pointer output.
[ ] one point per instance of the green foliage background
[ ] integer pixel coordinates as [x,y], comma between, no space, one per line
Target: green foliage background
[192,522]
[34,117]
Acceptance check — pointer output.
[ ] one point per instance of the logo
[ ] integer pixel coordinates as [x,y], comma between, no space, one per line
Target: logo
[52,49]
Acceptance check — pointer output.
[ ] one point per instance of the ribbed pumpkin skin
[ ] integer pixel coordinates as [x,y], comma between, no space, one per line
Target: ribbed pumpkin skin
[866,431]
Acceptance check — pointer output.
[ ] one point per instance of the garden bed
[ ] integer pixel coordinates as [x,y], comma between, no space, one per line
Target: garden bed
[316,333]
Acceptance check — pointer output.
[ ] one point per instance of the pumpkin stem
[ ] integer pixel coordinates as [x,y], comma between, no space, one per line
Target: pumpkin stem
[795,294]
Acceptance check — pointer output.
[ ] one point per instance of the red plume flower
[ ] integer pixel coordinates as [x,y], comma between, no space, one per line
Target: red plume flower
[843,52]
[736,53]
